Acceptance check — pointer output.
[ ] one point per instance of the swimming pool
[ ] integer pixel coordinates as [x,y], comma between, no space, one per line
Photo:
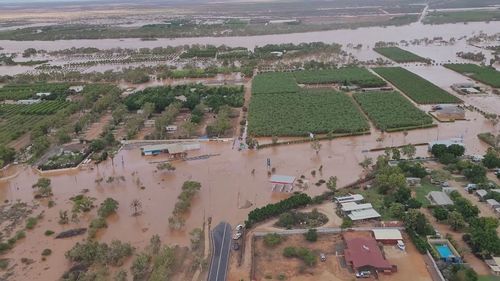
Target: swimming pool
[444,251]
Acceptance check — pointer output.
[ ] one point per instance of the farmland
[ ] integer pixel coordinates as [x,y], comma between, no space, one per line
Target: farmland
[345,75]
[486,75]
[399,55]
[297,114]
[26,91]
[418,89]
[274,82]
[391,111]
[42,108]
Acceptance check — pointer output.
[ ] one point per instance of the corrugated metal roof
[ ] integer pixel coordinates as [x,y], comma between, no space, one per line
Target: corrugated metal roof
[362,252]
[387,234]
[440,198]
[282,179]
[353,206]
[349,198]
[363,214]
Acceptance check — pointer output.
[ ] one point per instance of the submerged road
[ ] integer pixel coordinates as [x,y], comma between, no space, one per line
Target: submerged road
[221,241]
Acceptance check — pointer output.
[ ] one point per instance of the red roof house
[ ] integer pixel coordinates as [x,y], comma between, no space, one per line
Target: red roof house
[363,253]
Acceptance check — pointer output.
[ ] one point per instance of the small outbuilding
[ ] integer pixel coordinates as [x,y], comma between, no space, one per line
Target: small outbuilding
[389,236]
[282,183]
[450,113]
[439,198]
[493,203]
[481,193]
[349,198]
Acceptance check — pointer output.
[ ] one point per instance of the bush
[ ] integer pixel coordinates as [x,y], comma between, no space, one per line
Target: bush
[440,213]
[4,263]
[46,252]
[304,254]
[31,222]
[272,239]
[270,210]
[49,232]
[311,235]
[4,247]
[108,207]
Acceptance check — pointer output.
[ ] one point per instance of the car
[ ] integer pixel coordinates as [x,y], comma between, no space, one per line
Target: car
[237,235]
[363,274]
[239,227]
[401,245]
[236,246]
[322,257]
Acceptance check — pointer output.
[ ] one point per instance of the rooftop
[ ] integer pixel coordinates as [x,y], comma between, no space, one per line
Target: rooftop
[387,234]
[353,206]
[349,198]
[282,179]
[362,252]
[363,214]
[440,198]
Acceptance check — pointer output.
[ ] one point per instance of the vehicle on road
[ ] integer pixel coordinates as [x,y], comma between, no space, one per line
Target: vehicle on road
[236,246]
[239,227]
[363,274]
[237,235]
[322,257]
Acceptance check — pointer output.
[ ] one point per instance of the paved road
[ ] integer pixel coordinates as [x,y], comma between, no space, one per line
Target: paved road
[321,230]
[221,239]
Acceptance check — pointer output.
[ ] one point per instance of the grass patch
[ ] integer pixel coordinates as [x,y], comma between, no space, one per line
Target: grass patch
[461,16]
[423,190]
[31,223]
[399,55]
[488,278]
[274,82]
[390,110]
[297,114]
[483,74]
[415,87]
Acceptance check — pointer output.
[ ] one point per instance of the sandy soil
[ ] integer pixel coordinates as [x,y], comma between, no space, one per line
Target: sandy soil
[96,128]
[411,265]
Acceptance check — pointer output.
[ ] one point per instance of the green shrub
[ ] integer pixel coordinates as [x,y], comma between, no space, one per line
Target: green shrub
[49,232]
[31,222]
[272,239]
[46,252]
[311,235]
[4,263]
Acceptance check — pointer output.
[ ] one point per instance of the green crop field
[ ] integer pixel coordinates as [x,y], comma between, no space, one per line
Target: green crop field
[297,114]
[42,108]
[484,74]
[26,91]
[390,111]
[345,75]
[274,82]
[399,55]
[417,88]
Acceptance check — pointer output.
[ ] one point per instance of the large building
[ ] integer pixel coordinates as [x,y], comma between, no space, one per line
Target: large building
[363,254]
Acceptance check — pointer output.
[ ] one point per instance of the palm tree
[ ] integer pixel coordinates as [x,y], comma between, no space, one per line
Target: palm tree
[136,207]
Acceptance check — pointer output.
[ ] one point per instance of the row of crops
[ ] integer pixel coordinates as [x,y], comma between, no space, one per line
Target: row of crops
[15,126]
[274,82]
[415,87]
[345,75]
[301,112]
[399,55]
[26,91]
[42,108]
[390,111]
[484,74]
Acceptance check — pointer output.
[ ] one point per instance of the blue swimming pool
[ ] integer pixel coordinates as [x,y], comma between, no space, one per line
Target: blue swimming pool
[444,251]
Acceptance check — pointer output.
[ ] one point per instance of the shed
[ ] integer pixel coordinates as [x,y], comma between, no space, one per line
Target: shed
[481,193]
[349,198]
[388,235]
[44,94]
[171,128]
[494,264]
[282,183]
[364,215]
[493,203]
[439,198]
[411,181]
[450,112]
[353,206]
[174,150]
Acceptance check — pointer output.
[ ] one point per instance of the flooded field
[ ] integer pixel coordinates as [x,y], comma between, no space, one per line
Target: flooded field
[228,186]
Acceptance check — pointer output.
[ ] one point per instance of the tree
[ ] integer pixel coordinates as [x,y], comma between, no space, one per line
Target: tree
[311,235]
[456,220]
[316,146]
[389,179]
[396,155]
[491,159]
[397,210]
[331,184]
[140,266]
[416,221]
[456,149]
[346,223]
[108,207]
[366,163]
[438,150]
[155,244]
[476,173]
[190,128]
[136,207]
[409,151]
[440,213]
[165,166]
[43,186]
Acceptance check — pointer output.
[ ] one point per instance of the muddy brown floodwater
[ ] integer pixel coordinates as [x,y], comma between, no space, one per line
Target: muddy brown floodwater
[227,185]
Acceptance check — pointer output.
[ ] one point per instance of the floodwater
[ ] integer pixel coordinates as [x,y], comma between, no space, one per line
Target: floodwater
[227,185]
[368,35]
